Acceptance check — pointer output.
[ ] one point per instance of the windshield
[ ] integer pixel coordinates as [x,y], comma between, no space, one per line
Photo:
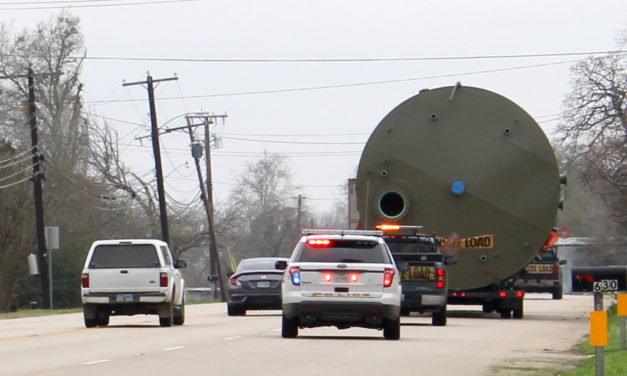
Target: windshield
[412,244]
[345,251]
[124,256]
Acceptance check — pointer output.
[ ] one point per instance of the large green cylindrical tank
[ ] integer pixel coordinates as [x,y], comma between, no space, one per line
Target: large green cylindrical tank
[468,161]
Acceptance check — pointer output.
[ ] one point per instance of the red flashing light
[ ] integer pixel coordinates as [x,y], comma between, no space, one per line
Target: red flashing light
[328,277]
[463,294]
[354,277]
[388,277]
[502,294]
[85,280]
[318,242]
[520,294]
[163,279]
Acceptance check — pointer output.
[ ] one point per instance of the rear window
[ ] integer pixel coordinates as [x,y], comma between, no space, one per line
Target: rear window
[412,244]
[345,251]
[124,256]
[247,265]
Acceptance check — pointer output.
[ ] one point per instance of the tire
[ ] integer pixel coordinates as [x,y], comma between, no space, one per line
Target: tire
[233,310]
[558,293]
[102,318]
[405,312]
[89,315]
[289,327]
[392,329]
[506,314]
[166,315]
[487,308]
[518,313]
[439,318]
[179,314]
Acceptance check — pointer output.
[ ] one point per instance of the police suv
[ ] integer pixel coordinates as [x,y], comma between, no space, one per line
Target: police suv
[342,278]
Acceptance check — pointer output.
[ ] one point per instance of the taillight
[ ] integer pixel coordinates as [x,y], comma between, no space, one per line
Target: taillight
[556,270]
[520,294]
[354,277]
[163,279]
[441,280]
[235,282]
[388,277]
[85,280]
[295,275]
[328,277]
[502,294]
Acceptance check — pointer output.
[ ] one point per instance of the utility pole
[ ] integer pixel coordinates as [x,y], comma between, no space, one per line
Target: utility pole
[300,207]
[165,234]
[42,255]
[207,194]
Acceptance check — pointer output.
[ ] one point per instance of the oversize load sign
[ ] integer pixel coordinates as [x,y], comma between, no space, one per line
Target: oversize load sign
[473,242]
[596,279]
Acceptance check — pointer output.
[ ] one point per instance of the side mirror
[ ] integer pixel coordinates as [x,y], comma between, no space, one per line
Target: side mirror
[450,260]
[563,262]
[280,265]
[179,264]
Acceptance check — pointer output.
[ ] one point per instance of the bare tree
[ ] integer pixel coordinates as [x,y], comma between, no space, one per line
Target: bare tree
[262,211]
[595,128]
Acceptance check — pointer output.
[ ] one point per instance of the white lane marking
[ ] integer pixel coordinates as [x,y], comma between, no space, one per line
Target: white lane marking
[96,362]
[234,337]
[173,348]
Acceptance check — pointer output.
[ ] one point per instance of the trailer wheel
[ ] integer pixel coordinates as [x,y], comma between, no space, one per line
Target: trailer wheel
[506,314]
[518,313]
[439,318]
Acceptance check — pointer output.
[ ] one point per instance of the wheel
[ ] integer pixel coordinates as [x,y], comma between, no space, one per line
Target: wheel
[89,315]
[557,293]
[179,314]
[405,312]
[233,310]
[166,315]
[439,318]
[506,314]
[487,308]
[518,313]
[392,329]
[289,327]
[102,318]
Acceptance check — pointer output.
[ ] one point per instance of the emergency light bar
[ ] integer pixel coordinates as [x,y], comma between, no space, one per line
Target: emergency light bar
[395,227]
[306,232]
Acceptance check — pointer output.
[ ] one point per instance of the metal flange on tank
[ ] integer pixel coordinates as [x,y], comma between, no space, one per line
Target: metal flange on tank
[468,161]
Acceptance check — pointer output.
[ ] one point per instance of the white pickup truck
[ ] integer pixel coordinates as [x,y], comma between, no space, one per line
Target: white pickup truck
[129,277]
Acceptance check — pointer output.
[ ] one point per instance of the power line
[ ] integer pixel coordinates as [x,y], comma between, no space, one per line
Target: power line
[352,60]
[339,86]
[70,5]
[292,142]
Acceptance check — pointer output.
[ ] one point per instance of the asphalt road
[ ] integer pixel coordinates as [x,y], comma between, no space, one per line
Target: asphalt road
[212,343]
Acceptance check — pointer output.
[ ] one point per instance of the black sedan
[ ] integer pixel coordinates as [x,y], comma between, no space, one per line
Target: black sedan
[256,284]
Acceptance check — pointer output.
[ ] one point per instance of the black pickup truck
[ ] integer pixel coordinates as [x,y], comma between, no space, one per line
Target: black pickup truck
[543,274]
[423,270]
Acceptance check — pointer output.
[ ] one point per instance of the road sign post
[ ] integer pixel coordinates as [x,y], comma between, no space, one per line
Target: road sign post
[598,333]
[622,313]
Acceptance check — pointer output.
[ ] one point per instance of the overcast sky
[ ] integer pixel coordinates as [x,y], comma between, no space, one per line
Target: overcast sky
[318,114]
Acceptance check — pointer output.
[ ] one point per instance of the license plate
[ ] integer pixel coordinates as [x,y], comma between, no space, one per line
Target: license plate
[124,298]
[263,284]
[419,273]
[539,268]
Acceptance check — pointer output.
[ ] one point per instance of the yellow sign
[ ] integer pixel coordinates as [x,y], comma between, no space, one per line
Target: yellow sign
[473,242]
[622,305]
[598,328]
[419,273]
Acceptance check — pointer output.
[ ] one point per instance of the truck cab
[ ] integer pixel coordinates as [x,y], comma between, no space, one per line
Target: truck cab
[543,274]
[423,270]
